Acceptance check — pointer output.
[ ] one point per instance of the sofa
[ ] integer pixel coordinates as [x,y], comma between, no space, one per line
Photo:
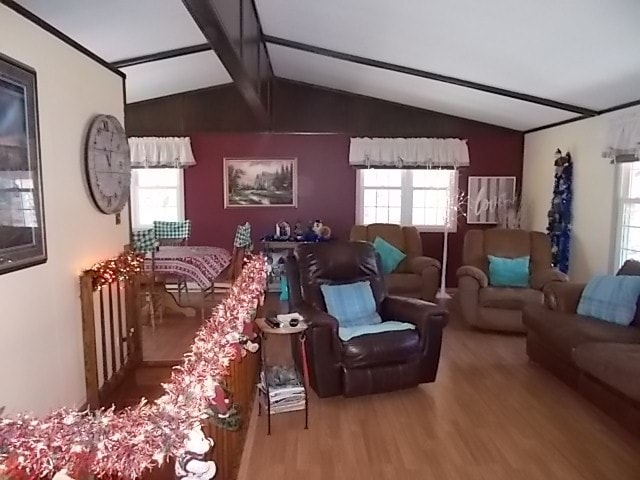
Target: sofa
[500,308]
[601,360]
[416,276]
[364,364]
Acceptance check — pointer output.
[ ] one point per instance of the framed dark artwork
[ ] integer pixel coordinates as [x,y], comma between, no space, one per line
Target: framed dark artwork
[257,182]
[22,229]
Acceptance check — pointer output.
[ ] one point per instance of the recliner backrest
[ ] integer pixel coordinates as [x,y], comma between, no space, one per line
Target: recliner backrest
[407,239]
[337,262]
[508,243]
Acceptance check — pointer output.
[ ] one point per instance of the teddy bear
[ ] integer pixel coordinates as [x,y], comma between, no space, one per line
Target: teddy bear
[191,464]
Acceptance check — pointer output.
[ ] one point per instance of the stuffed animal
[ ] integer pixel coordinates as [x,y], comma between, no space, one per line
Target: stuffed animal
[317,226]
[191,464]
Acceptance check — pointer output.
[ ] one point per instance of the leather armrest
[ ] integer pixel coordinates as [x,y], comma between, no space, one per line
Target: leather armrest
[317,318]
[474,273]
[541,279]
[563,297]
[323,328]
[423,315]
[418,264]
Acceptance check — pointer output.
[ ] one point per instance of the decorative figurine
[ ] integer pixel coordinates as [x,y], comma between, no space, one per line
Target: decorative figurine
[283,231]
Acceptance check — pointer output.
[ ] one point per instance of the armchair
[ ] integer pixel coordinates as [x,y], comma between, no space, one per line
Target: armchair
[364,364]
[417,276]
[500,308]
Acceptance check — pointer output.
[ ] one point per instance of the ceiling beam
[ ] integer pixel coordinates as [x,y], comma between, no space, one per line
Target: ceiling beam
[246,70]
[429,75]
[166,55]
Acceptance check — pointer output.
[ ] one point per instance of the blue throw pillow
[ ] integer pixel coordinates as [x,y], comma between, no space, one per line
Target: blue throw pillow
[390,255]
[352,304]
[610,298]
[508,272]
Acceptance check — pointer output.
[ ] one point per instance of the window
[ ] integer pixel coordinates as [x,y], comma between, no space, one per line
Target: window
[407,197]
[156,194]
[629,214]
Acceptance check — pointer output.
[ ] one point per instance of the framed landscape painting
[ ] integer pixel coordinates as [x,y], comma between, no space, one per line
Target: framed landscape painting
[258,182]
[22,232]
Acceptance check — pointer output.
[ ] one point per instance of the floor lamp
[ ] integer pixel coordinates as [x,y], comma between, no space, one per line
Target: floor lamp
[454,202]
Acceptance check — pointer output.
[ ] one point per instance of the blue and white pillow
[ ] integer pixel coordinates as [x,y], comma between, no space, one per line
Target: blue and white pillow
[611,298]
[352,304]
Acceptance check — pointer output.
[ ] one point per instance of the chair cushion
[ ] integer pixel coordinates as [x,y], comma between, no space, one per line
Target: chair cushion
[565,331]
[389,255]
[352,304]
[509,298]
[381,348]
[508,272]
[143,241]
[347,333]
[172,229]
[403,282]
[611,298]
[616,364]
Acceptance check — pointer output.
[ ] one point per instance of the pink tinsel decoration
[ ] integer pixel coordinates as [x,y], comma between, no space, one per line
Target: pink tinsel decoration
[129,442]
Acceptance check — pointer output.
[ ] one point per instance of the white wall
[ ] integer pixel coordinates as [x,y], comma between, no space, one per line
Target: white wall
[41,358]
[594,195]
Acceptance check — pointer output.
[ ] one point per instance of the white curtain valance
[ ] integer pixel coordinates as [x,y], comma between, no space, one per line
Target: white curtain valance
[164,152]
[409,152]
[623,137]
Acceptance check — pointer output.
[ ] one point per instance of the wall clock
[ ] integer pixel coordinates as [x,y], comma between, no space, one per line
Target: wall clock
[108,164]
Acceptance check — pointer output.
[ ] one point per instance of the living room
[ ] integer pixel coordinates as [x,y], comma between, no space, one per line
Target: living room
[411,157]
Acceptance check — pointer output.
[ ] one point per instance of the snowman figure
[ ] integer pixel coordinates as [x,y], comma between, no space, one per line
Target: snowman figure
[191,464]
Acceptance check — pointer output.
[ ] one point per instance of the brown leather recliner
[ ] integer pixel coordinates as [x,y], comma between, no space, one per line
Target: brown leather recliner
[369,363]
[500,308]
[416,276]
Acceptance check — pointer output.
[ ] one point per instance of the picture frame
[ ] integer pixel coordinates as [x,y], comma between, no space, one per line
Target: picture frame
[486,195]
[22,223]
[260,182]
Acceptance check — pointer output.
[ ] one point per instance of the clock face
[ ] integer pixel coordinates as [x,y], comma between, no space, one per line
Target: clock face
[108,164]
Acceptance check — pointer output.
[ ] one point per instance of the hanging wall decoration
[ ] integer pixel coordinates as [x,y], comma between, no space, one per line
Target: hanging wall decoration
[559,227]
[486,196]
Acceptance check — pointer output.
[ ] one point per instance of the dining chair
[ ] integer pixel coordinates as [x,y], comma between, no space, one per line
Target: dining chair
[174,234]
[144,242]
[241,247]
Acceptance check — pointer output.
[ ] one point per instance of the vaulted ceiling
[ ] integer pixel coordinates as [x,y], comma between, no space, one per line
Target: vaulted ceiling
[515,64]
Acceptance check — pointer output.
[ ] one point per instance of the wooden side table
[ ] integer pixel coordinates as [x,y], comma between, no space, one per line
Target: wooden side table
[300,330]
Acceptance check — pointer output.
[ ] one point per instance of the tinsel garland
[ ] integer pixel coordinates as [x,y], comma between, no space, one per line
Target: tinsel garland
[122,267]
[131,441]
[560,216]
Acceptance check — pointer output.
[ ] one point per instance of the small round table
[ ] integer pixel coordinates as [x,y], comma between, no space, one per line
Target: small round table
[299,330]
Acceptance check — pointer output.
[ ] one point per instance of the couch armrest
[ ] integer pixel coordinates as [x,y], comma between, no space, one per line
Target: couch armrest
[475,273]
[418,264]
[541,279]
[423,315]
[563,297]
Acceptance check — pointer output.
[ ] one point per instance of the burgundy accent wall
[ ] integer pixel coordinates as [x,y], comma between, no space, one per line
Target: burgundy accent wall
[326,184]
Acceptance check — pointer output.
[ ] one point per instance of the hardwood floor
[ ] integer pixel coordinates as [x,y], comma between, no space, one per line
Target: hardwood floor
[490,415]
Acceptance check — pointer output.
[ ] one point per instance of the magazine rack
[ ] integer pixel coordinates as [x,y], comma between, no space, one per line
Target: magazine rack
[267,393]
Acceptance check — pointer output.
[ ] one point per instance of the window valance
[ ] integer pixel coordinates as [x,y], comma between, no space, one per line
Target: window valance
[409,152]
[623,137]
[161,152]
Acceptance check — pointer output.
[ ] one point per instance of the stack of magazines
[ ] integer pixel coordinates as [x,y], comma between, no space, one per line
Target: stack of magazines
[286,390]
